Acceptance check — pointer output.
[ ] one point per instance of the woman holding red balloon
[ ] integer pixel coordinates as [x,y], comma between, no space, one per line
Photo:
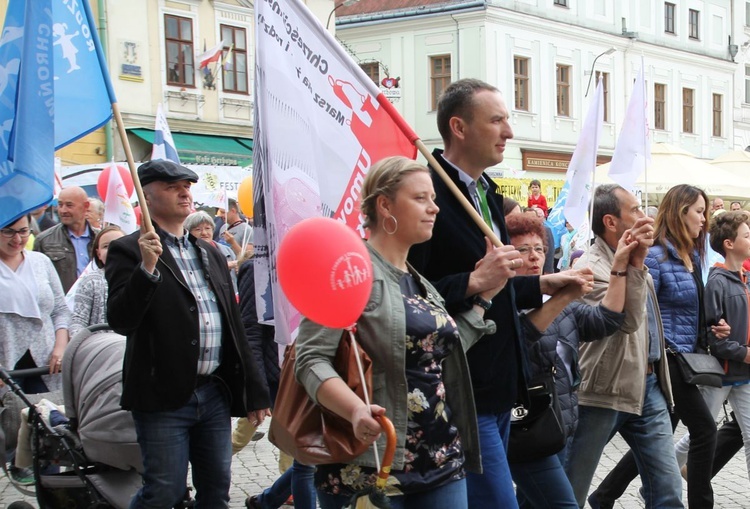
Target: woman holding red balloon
[420,375]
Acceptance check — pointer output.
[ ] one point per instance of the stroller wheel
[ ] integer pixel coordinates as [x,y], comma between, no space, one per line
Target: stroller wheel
[20,505]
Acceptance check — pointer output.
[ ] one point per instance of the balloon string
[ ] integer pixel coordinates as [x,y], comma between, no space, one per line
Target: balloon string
[364,386]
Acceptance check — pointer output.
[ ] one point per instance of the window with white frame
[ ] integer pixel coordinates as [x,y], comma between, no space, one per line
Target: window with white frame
[178,33]
[234,59]
[688,97]
[669,10]
[521,83]
[563,90]
[717,115]
[605,91]
[660,106]
[372,70]
[693,20]
[440,77]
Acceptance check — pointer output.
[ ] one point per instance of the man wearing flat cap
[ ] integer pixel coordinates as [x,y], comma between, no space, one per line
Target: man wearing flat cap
[187,365]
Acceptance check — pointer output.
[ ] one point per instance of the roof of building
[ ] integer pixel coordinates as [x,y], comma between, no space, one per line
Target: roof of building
[380,6]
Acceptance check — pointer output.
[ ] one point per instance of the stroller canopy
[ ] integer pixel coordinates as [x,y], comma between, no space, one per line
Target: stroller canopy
[92,386]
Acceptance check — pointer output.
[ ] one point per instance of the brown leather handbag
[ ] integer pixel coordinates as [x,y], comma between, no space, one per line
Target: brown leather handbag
[308,432]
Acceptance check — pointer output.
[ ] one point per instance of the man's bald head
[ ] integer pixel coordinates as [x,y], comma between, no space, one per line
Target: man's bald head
[73,193]
[72,204]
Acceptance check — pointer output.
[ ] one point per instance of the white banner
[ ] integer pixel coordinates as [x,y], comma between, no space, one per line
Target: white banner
[320,123]
[633,149]
[212,180]
[583,162]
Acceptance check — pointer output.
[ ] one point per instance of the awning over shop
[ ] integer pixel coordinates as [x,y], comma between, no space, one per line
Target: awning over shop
[205,149]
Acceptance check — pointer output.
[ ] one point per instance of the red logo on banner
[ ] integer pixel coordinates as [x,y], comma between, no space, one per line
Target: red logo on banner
[379,137]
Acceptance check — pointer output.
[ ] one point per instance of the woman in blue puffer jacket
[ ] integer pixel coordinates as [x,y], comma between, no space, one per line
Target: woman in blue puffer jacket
[675,262]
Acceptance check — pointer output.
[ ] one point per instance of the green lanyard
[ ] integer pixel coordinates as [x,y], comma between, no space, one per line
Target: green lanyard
[482,194]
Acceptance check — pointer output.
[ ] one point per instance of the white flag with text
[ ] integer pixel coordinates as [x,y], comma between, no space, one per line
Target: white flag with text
[583,162]
[633,149]
[320,123]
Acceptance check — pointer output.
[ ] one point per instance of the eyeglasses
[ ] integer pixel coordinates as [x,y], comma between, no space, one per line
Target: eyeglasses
[526,250]
[9,233]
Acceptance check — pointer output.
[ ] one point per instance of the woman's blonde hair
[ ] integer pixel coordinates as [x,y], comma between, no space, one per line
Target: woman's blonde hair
[385,178]
[670,223]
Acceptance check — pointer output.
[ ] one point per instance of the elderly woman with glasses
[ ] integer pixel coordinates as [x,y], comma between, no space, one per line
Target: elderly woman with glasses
[201,225]
[34,317]
[563,323]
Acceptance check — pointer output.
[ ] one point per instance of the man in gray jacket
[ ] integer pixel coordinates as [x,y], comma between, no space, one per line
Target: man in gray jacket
[68,244]
[625,385]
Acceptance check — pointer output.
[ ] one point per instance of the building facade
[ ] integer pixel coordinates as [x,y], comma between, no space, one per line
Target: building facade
[542,53]
[152,49]
[740,45]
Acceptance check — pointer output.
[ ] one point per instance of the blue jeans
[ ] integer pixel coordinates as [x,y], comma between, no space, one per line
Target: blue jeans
[494,487]
[451,495]
[298,480]
[543,484]
[650,438]
[199,433]
[691,408]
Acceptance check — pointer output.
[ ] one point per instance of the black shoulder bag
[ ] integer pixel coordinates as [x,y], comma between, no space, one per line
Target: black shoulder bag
[700,368]
[536,429]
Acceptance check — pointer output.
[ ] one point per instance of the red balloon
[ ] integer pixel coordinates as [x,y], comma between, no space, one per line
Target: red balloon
[325,271]
[102,182]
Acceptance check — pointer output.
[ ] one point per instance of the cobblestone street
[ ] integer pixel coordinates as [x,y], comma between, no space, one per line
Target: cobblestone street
[256,468]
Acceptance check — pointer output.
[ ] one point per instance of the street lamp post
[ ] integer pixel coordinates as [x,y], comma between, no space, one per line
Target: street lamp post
[345,2]
[593,64]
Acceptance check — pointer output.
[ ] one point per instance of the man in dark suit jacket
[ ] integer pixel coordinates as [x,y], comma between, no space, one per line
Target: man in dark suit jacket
[473,122]
[188,367]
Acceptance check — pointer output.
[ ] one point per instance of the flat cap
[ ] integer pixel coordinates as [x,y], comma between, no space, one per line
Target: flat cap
[166,171]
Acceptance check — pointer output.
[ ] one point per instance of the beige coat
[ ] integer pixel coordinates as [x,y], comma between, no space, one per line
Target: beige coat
[613,370]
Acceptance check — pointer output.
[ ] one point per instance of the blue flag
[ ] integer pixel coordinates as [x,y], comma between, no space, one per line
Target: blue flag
[556,217]
[54,88]
[83,91]
[26,109]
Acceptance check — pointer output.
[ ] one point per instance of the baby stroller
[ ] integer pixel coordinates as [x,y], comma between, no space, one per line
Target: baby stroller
[93,460]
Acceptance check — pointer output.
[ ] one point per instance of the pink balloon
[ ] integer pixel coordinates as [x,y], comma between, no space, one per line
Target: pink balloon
[102,182]
[325,271]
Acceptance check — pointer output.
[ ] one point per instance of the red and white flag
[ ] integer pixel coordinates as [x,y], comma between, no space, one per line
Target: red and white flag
[320,123]
[212,55]
[117,207]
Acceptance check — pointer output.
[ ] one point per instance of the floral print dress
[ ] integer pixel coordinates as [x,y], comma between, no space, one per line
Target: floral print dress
[433,452]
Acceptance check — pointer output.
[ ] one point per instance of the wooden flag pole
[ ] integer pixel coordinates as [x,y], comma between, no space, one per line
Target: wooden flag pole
[146,224]
[457,193]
